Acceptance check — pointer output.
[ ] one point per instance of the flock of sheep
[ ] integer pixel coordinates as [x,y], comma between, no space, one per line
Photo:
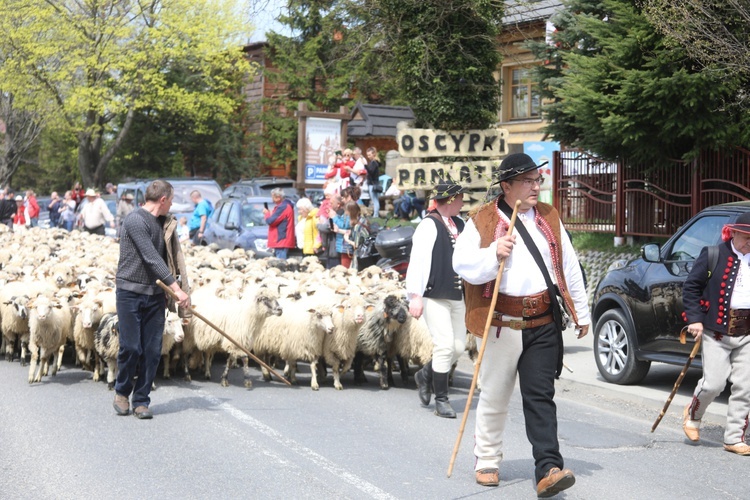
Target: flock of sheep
[57,291]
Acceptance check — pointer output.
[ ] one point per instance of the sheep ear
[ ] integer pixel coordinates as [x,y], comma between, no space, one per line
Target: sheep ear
[312,310]
[99,302]
[369,308]
[340,308]
[57,305]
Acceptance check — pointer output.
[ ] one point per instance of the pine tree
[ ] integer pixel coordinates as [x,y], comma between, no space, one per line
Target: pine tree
[620,89]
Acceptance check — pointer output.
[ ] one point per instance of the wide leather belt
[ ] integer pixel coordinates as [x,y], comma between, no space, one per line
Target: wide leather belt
[523,307]
[520,324]
[739,322]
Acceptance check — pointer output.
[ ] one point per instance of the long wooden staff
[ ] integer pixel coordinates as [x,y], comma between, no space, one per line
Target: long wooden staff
[679,379]
[209,323]
[487,326]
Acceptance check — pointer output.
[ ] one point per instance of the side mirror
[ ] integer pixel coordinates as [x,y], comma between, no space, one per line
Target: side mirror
[651,252]
[231,226]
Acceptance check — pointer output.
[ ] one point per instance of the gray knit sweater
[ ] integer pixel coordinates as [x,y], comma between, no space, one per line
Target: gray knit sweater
[143,254]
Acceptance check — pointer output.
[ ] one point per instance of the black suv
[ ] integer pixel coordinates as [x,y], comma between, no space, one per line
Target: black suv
[261,186]
[637,308]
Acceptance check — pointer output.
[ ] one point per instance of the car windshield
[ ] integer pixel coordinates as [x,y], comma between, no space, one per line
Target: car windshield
[252,215]
[182,202]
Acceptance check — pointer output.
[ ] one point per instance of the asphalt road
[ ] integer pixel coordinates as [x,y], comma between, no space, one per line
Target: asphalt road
[62,439]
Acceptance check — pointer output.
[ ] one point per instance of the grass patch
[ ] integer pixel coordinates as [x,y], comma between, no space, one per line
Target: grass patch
[605,242]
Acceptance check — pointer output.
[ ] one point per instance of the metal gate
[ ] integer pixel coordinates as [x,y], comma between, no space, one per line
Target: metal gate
[640,200]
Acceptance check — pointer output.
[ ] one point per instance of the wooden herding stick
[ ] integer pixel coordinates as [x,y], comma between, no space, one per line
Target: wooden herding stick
[679,379]
[209,323]
[487,326]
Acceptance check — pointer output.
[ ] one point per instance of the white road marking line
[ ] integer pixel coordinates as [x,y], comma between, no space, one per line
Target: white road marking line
[302,451]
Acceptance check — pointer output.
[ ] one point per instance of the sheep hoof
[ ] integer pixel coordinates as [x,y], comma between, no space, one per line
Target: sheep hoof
[315,387]
[338,387]
[384,386]
[248,384]
[188,378]
[110,386]
[96,377]
[224,382]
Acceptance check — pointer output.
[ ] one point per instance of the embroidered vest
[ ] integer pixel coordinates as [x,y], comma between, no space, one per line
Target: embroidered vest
[491,227]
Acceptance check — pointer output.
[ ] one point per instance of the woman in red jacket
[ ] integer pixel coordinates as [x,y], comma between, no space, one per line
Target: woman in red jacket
[280,224]
[33,208]
[19,220]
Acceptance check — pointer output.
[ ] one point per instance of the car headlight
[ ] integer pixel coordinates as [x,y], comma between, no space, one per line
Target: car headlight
[618,264]
[261,245]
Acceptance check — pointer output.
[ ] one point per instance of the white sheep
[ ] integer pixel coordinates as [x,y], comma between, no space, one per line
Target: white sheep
[411,342]
[50,323]
[340,347]
[238,318]
[299,334]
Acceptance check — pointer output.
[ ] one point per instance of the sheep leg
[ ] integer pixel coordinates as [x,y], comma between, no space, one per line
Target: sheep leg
[24,348]
[246,372]
[314,375]
[207,360]
[165,359]
[186,368]
[290,370]
[98,367]
[359,371]
[32,366]
[56,360]
[388,361]
[383,372]
[10,346]
[403,364]
[61,351]
[337,376]
[111,373]
[225,375]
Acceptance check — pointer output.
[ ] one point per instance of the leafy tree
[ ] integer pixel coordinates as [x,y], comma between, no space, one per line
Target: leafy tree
[309,66]
[620,89]
[94,65]
[19,131]
[443,55]
[715,33]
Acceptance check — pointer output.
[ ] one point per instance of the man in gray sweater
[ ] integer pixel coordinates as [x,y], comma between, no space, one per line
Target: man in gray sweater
[147,254]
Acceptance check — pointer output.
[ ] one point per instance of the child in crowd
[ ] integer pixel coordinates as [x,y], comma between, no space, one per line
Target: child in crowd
[183,233]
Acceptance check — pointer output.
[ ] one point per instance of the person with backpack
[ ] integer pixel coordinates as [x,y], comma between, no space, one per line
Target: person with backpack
[716,299]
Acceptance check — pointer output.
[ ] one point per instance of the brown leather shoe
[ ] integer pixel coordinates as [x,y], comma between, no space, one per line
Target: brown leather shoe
[143,413]
[692,433]
[738,448]
[488,477]
[554,482]
[121,405]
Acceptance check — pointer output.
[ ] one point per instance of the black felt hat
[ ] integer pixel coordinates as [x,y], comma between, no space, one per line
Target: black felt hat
[742,224]
[446,189]
[516,164]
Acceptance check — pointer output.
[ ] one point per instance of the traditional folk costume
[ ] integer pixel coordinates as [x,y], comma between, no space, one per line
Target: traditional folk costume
[525,338]
[722,304]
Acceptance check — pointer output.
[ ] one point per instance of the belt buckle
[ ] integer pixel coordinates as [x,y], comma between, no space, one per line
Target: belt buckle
[530,302]
[517,324]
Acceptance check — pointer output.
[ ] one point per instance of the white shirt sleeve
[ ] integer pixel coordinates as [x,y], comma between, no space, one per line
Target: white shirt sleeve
[574,279]
[476,265]
[420,262]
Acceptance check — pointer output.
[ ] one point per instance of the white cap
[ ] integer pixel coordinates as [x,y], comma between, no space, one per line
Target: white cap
[90,192]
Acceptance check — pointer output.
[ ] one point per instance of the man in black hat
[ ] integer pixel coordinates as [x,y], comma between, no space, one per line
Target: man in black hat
[717,307]
[525,339]
[435,291]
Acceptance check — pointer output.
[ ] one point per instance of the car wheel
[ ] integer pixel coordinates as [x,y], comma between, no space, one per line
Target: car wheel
[614,350]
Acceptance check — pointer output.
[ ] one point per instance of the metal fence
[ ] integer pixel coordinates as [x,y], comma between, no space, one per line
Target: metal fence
[640,200]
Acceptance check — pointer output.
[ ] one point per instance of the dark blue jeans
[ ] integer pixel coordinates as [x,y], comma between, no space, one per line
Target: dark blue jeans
[141,320]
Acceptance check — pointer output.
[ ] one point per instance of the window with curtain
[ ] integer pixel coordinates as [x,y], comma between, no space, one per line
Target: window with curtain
[524,96]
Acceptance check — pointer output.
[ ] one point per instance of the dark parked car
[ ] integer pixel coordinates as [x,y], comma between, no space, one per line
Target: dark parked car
[637,307]
[239,223]
[261,186]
